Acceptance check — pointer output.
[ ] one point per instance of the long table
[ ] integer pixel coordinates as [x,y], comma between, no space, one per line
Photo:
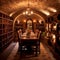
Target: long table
[33,40]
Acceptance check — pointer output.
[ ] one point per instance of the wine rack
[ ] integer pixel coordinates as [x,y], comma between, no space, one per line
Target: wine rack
[6,31]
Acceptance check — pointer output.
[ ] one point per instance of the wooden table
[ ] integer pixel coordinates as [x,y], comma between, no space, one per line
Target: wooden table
[29,41]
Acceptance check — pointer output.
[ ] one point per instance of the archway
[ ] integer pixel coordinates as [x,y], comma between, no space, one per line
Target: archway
[23,19]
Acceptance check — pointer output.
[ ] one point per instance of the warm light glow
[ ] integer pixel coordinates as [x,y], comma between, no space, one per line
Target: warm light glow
[31,12]
[18,21]
[24,20]
[29,21]
[53,36]
[11,14]
[52,9]
[40,21]
[34,20]
[45,12]
[23,13]
[54,41]
[54,27]
[27,12]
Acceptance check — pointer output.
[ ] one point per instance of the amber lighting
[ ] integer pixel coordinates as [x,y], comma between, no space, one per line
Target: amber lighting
[28,12]
[52,9]
[45,12]
[11,14]
[34,20]
[40,21]
[24,21]
[18,21]
[29,21]
[31,12]
[54,38]
[54,41]
[54,27]
[23,13]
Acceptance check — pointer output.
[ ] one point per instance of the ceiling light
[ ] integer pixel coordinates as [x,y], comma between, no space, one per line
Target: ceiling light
[11,14]
[45,12]
[27,12]
[31,12]
[52,9]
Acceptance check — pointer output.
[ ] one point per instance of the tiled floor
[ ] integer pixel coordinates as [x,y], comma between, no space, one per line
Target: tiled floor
[44,55]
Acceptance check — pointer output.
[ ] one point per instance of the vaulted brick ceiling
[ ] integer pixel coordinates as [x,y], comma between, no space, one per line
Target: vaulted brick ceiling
[17,6]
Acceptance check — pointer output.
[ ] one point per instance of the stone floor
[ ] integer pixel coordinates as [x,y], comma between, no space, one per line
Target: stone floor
[11,53]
